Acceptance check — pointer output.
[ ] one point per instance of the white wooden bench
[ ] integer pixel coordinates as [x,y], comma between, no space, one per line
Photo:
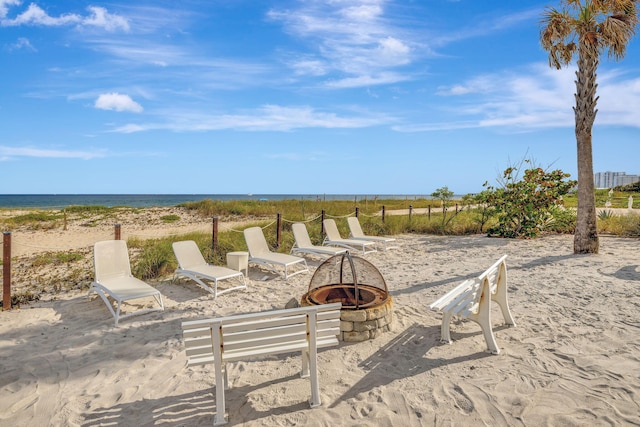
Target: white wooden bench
[472,300]
[240,337]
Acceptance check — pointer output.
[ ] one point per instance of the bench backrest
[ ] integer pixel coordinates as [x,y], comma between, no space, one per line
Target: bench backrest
[466,297]
[270,332]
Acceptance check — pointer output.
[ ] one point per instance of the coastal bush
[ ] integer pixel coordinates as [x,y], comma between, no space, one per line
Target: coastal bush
[562,220]
[443,194]
[525,207]
[482,210]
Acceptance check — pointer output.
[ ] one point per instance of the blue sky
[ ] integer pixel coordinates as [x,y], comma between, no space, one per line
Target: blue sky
[292,96]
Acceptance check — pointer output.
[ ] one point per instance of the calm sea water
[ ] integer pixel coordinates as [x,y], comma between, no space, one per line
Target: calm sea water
[59,201]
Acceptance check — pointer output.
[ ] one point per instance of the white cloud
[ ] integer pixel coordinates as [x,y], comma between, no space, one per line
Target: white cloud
[534,98]
[34,15]
[366,80]
[117,102]
[4,9]
[101,18]
[22,43]
[265,118]
[349,37]
[10,152]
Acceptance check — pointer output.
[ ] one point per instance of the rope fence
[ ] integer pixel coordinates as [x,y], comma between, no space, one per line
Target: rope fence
[215,231]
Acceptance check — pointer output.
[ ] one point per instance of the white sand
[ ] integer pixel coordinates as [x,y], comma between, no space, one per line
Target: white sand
[572,360]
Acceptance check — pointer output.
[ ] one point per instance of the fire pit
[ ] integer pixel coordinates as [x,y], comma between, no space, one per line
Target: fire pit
[366,303]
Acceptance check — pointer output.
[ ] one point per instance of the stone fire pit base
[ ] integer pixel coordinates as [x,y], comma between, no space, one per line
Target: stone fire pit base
[364,324]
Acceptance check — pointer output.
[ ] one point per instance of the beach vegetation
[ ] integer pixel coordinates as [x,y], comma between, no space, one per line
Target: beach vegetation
[587,29]
[153,258]
[605,214]
[22,298]
[620,225]
[169,218]
[37,220]
[444,195]
[525,207]
[62,257]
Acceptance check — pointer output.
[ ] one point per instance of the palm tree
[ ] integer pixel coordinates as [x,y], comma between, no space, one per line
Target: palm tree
[588,27]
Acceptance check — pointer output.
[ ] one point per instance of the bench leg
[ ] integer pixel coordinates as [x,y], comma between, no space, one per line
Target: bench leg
[500,296]
[483,318]
[501,299]
[485,324]
[221,385]
[221,377]
[305,364]
[313,377]
[445,336]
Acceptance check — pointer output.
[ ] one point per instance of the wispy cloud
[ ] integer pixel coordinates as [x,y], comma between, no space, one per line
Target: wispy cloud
[536,97]
[266,118]
[7,152]
[22,43]
[299,157]
[117,102]
[351,38]
[485,26]
[97,17]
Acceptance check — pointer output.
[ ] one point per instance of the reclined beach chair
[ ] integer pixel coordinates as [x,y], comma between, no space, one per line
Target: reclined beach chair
[358,234]
[303,243]
[113,279]
[259,253]
[192,265]
[333,238]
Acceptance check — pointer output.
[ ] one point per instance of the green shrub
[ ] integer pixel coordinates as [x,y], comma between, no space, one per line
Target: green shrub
[524,207]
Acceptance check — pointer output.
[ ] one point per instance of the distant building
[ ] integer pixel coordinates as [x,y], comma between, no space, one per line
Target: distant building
[613,179]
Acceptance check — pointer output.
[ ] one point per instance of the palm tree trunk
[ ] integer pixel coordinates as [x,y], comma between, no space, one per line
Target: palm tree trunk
[585,240]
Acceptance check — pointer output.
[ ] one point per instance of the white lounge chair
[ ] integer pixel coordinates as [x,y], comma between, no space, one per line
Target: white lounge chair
[333,238]
[113,279]
[303,243]
[358,234]
[191,264]
[259,253]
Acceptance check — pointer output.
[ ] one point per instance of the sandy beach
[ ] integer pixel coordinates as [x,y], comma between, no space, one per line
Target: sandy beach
[572,360]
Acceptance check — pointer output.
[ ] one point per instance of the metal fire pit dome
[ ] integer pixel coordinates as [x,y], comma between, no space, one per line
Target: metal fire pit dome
[351,280]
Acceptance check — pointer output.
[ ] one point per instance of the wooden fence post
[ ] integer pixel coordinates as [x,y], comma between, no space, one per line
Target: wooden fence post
[322,225]
[410,211]
[6,271]
[382,213]
[278,230]
[429,212]
[117,232]
[357,211]
[214,235]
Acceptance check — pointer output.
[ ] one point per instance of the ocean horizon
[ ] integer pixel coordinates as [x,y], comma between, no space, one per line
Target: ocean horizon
[61,201]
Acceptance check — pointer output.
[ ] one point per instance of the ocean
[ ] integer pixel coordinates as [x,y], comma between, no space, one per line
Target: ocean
[61,201]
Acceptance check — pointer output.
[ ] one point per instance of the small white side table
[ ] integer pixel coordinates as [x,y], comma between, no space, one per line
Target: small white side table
[239,261]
